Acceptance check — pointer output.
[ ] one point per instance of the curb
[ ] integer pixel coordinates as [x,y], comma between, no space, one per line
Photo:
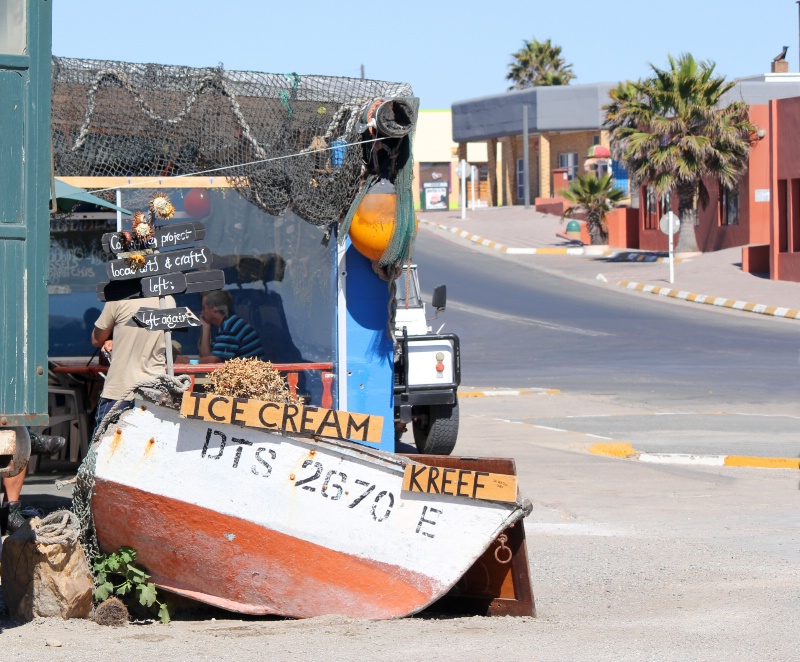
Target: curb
[619,255]
[683,295]
[722,302]
[505,392]
[627,451]
[501,248]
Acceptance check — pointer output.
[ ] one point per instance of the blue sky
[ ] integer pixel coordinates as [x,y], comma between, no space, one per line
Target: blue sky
[448,51]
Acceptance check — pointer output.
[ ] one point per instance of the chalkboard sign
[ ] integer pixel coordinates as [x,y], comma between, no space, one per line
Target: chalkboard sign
[147,272]
[167,237]
[161,263]
[196,281]
[166,319]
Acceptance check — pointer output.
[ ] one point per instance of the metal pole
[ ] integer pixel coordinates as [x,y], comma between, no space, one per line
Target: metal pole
[463,166]
[798,26]
[473,175]
[525,165]
[671,238]
[162,304]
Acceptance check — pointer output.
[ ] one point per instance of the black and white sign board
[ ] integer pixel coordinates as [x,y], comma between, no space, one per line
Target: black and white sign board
[161,275]
[161,263]
[193,282]
[179,234]
[166,319]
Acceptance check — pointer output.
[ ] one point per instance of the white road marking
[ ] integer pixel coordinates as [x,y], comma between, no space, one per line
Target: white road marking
[682,458]
[485,312]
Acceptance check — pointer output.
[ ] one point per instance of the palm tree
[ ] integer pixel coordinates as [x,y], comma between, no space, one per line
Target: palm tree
[596,197]
[671,132]
[538,63]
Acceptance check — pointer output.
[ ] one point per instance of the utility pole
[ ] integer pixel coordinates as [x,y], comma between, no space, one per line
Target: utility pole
[525,155]
[362,72]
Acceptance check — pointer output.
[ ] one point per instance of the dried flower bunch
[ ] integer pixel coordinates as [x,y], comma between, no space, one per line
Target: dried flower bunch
[251,378]
[162,207]
[143,227]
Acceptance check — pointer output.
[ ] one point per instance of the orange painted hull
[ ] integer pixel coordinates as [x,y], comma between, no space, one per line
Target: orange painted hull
[262,571]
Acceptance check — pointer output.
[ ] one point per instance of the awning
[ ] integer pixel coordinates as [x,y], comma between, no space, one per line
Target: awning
[598,152]
[66,191]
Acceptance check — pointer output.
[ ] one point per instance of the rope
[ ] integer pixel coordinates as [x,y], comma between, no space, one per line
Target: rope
[160,390]
[58,528]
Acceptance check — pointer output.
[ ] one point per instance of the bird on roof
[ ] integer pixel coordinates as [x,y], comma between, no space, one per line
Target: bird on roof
[782,55]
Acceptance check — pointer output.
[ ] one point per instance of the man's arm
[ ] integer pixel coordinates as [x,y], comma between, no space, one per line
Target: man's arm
[204,346]
[102,338]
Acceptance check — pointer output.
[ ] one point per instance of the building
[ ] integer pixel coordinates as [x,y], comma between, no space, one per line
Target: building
[565,122]
[436,156]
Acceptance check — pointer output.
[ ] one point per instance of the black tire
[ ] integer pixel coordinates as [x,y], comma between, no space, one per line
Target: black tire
[436,429]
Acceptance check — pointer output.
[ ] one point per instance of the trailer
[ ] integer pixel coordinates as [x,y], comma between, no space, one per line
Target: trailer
[25,192]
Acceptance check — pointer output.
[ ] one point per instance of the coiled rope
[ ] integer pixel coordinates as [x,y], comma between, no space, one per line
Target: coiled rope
[162,390]
[58,528]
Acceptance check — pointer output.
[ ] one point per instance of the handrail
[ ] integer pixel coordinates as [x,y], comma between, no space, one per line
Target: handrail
[78,367]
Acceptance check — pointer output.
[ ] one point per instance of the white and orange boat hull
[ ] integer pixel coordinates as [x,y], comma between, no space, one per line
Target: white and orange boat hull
[263,523]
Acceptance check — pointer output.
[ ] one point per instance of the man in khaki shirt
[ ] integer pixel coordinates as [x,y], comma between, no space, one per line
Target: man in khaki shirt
[137,354]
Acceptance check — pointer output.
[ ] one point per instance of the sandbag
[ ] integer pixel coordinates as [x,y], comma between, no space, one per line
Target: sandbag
[41,579]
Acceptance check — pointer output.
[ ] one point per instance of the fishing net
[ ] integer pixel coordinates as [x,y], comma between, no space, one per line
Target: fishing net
[309,144]
[163,390]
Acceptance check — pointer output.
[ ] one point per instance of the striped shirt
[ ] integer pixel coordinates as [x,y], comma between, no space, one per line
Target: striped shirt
[236,339]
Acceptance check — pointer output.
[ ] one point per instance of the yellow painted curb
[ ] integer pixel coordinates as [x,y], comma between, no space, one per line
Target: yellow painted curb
[765,462]
[612,450]
[505,392]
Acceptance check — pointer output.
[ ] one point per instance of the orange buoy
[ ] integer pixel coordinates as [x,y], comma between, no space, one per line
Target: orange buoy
[373,223]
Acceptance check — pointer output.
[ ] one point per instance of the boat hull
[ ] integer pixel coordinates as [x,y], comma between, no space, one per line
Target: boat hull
[264,523]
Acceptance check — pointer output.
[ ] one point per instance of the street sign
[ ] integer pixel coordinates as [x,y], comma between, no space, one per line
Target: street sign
[664,225]
[166,319]
[196,281]
[463,169]
[166,237]
[161,263]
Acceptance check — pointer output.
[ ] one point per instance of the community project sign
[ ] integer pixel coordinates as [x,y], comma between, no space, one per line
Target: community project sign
[144,271]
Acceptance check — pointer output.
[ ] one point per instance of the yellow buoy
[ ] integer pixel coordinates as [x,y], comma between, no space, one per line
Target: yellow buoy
[373,223]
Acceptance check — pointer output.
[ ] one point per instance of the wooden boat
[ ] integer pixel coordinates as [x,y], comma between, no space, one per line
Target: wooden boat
[264,522]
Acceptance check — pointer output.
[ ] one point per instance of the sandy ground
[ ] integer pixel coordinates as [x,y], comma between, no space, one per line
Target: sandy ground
[629,561]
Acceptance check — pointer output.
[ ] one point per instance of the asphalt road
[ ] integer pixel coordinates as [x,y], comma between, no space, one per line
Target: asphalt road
[667,378]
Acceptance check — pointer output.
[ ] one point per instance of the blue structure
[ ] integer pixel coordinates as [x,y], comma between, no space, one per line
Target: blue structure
[369,362]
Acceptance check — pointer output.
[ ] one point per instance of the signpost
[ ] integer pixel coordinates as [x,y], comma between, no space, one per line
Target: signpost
[669,225]
[160,274]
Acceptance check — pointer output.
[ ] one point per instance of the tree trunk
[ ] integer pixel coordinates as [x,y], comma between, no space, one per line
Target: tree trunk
[687,212]
[595,229]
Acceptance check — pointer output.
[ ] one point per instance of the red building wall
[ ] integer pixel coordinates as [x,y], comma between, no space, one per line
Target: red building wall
[784,116]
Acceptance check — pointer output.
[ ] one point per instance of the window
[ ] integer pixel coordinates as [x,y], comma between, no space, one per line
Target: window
[729,206]
[520,179]
[569,161]
[277,271]
[652,210]
[595,140]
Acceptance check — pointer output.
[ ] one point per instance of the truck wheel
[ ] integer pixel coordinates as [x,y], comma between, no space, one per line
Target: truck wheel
[436,429]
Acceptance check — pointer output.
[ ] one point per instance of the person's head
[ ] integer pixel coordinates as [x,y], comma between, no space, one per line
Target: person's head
[217,305]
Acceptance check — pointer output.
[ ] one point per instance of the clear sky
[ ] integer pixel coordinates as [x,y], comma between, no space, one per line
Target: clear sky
[448,51]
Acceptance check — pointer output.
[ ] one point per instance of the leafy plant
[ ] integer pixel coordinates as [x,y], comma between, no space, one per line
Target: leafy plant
[596,197]
[115,574]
